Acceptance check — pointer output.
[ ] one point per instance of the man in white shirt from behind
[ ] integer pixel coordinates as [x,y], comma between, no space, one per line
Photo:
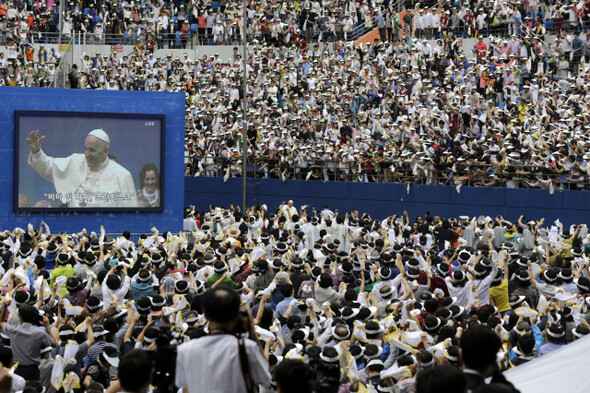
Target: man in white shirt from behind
[203,364]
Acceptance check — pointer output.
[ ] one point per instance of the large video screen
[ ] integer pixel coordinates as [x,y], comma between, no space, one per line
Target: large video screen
[88,161]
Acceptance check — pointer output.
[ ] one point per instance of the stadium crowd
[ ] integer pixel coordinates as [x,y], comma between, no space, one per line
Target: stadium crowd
[347,301]
[394,112]
[511,114]
[383,300]
[172,24]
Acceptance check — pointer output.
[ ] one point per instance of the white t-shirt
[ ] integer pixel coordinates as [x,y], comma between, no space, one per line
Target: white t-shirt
[18,382]
[463,294]
[212,364]
[189,224]
[12,52]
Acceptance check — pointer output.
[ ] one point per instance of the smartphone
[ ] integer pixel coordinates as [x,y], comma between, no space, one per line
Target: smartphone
[157,320]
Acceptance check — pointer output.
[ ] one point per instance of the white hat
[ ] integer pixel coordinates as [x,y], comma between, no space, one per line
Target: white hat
[100,134]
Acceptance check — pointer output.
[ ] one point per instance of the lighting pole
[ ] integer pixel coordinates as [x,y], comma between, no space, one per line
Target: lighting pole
[244,108]
[60,27]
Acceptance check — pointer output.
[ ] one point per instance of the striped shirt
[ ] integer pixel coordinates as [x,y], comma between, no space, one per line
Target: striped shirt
[95,350]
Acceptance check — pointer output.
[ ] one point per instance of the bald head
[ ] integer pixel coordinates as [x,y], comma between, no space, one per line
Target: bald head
[341,331]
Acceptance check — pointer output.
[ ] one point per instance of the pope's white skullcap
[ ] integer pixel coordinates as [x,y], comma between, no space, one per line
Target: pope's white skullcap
[100,134]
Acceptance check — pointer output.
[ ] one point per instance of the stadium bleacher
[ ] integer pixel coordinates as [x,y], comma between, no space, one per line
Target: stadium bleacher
[461,94]
[427,112]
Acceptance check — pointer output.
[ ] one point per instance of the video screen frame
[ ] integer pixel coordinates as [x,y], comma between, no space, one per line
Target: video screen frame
[88,210]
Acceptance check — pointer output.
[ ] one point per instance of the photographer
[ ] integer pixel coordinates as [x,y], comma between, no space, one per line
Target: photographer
[27,340]
[292,376]
[226,354]
[135,370]
[479,348]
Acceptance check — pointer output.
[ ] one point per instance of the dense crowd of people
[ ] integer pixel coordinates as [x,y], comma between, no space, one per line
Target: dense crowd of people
[173,24]
[510,114]
[330,302]
[383,300]
[400,110]
[513,116]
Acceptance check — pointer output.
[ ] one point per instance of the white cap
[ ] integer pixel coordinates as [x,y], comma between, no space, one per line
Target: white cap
[100,134]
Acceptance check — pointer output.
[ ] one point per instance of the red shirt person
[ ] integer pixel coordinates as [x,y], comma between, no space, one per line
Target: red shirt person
[481,48]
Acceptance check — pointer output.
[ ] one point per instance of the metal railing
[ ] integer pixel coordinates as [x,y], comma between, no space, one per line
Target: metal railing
[196,37]
[154,41]
[379,170]
[150,41]
[362,28]
[135,236]
[500,30]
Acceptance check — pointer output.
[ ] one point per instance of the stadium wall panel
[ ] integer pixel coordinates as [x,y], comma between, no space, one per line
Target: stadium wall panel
[225,52]
[169,104]
[384,199]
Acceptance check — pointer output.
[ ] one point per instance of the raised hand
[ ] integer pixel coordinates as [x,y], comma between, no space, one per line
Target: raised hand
[35,140]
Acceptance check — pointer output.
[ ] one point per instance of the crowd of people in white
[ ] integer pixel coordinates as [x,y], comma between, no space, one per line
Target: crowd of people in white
[385,300]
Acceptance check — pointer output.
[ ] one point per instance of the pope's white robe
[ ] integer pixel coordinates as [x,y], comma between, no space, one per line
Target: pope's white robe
[75,184]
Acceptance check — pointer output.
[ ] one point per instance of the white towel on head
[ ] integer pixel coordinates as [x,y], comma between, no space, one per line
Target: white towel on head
[396,372]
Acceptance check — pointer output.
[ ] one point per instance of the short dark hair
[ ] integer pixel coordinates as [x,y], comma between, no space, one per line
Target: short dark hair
[143,274]
[431,305]
[526,344]
[292,376]
[350,295]
[221,304]
[113,282]
[28,313]
[39,262]
[135,370]
[325,280]
[287,290]
[479,346]
[441,379]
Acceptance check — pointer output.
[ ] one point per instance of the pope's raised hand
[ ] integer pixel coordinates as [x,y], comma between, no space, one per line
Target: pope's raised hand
[35,140]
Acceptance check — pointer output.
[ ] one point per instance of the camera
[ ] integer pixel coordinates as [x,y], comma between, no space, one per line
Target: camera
[241,329]
[164,361]
[324,377]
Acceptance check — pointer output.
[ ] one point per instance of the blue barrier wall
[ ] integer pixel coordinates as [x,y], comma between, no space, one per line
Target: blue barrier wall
[169,104]
[384,199]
